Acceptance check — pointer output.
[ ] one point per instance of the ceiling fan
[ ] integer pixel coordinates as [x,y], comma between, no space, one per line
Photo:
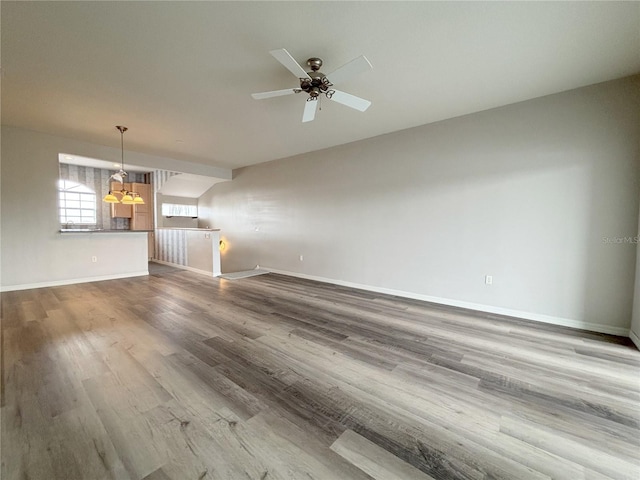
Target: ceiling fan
[316,83]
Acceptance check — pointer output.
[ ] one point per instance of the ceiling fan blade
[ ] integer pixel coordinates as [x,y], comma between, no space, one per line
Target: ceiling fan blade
[350,100]
[348,70]
[274,93]
[309,113]
[289,63]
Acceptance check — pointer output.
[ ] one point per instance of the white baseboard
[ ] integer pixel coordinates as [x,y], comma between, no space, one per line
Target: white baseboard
[57,283]
[184,267]
[634,338]
[537,317]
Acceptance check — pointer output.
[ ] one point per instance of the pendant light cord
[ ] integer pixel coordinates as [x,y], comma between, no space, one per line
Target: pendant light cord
[122,130]
[121,156]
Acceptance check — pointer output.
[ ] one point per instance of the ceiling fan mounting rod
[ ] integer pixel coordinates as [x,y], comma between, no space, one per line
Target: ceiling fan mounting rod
[314,63]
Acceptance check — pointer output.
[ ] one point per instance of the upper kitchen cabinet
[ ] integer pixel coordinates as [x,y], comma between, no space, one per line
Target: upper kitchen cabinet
[119,210]
[142,215]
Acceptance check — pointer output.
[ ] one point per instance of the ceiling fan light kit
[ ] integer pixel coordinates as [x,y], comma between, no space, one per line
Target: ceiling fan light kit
[315,83]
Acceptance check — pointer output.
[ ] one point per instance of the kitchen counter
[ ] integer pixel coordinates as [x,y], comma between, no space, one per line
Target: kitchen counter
[98,230]
[187,228]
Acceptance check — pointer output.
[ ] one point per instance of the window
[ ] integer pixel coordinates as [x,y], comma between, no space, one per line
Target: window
[77,204]
[179,210]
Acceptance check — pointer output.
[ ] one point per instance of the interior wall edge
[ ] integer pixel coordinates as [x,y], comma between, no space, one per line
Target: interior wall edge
[73,146]
[634,329]
[563,322]
[71,281]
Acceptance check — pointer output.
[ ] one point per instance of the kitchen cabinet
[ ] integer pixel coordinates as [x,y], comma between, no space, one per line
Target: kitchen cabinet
[142,215]
[118,210]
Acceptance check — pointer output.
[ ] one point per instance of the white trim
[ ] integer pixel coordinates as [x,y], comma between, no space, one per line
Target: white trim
[538,317]
[184,267]
[634,338]
[215,245]
[72,281]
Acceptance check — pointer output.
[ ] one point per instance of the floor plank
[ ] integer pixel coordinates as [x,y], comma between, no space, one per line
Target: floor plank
[372,459]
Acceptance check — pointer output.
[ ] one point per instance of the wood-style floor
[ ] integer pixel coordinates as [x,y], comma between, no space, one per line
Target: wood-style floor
[184,377]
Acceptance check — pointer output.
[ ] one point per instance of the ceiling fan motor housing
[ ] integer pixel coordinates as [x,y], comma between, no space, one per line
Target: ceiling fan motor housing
[318,83]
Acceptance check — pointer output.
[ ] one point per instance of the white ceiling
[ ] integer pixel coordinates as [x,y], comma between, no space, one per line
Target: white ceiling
[180,74]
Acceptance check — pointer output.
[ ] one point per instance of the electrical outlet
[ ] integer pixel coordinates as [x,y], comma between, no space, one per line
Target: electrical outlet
[94,259]
[488,280]
[207,235]
[301,258]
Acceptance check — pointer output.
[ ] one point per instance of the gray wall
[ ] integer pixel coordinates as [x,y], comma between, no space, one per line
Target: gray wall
[524,193]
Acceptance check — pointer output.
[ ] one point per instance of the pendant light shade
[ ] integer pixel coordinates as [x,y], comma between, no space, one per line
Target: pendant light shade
[123,195]
[110,198]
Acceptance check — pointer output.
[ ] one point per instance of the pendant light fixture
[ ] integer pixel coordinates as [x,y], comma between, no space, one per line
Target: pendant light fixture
[123,195]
